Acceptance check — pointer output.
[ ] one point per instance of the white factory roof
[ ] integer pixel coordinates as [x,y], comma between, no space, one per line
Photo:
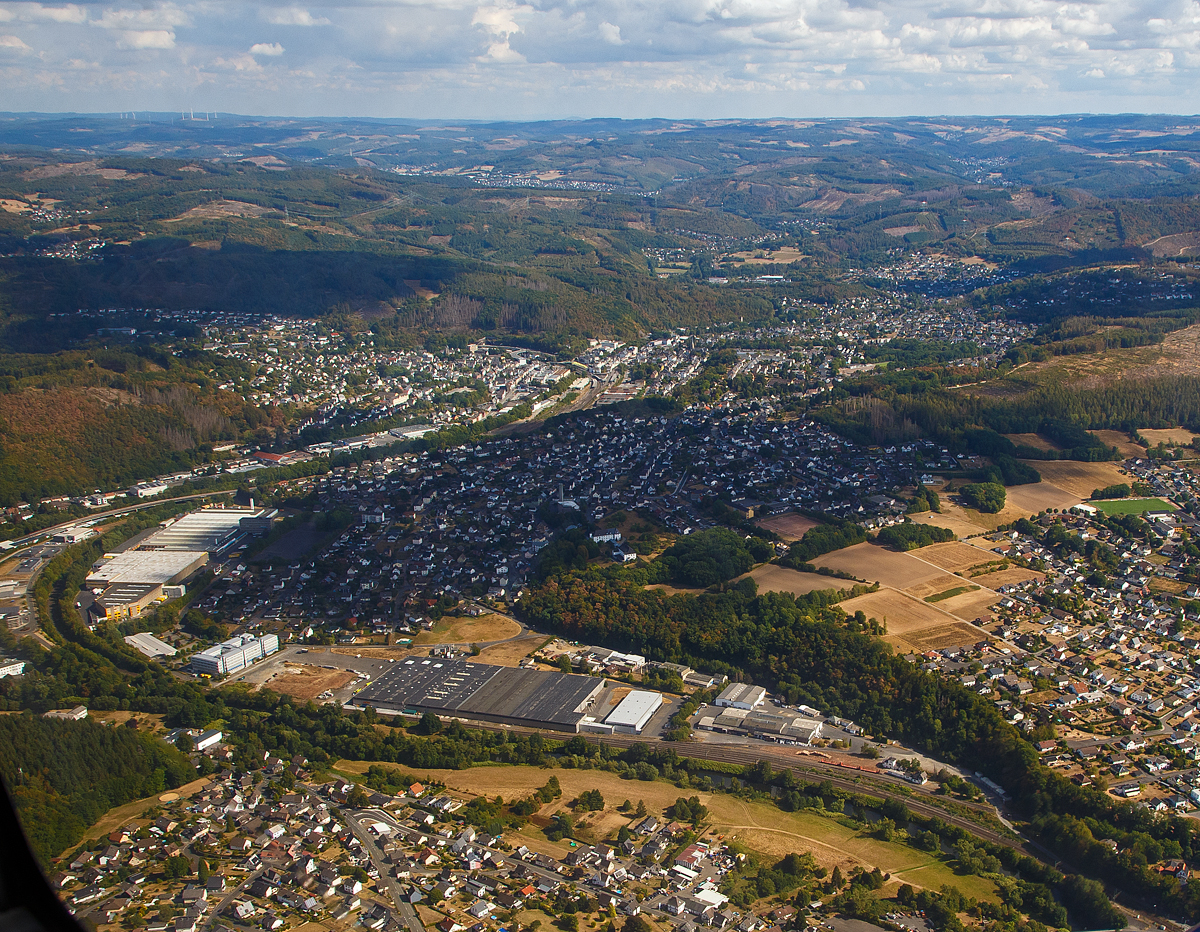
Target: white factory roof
[635,709]
[145,566]
[746,695]
[206,529]
[149,645]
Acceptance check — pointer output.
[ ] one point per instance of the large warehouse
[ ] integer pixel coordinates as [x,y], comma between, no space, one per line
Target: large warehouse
[153,567]
[208,529]
[488,693]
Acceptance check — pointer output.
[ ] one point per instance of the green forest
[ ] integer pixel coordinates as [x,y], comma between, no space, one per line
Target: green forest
[63,775]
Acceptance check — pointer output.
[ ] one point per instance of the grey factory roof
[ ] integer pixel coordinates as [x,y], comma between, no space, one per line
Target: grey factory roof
[476,690]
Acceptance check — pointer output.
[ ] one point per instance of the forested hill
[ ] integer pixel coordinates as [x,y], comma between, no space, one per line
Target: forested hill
[559,227]
[63,775]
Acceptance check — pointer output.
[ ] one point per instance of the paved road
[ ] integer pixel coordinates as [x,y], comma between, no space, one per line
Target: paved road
[407,913]
[229,897]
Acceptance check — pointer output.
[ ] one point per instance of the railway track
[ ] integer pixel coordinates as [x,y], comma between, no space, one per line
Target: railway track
[872,782]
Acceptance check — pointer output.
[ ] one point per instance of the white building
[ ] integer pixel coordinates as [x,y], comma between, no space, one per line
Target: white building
[634,711]
[73,535]
[742,696]
[148,644]
[235,654]
[11,667]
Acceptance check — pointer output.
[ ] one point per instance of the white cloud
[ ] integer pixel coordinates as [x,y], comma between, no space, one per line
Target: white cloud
[611,34]
[147,39]
[293,16]
[492,58]
[35,12]
[163,16]
[500,21]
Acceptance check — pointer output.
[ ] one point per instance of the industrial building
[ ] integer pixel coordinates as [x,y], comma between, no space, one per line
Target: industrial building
[146,567]
[73,535]
[210,529]
[149,645]
[488,693]
[235,654]
[742,696]
[634,711]
[124,600]
[790,729]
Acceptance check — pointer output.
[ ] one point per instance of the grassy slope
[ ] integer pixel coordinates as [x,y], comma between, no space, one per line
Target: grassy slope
[759,826]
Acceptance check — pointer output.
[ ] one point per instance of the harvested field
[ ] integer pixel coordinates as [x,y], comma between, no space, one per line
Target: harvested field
[1008,577]
[1120,440]
[307,682]
[877,564]
[952,518]
[1176,435]
[771,578]
[1039,496]
[933,586]
[955,634]
[970,605]
[1079,478]
[954,557]
[470,631]
[510,653]
[1035,441]
[760,826]
[789,527]
[901,612]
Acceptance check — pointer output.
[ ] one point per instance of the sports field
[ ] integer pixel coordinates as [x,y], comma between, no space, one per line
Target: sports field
[1132,506]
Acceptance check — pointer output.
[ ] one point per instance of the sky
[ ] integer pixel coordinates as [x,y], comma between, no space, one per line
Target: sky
[540,59]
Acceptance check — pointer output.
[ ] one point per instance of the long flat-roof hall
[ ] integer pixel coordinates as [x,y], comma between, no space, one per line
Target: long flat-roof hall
[531,698]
